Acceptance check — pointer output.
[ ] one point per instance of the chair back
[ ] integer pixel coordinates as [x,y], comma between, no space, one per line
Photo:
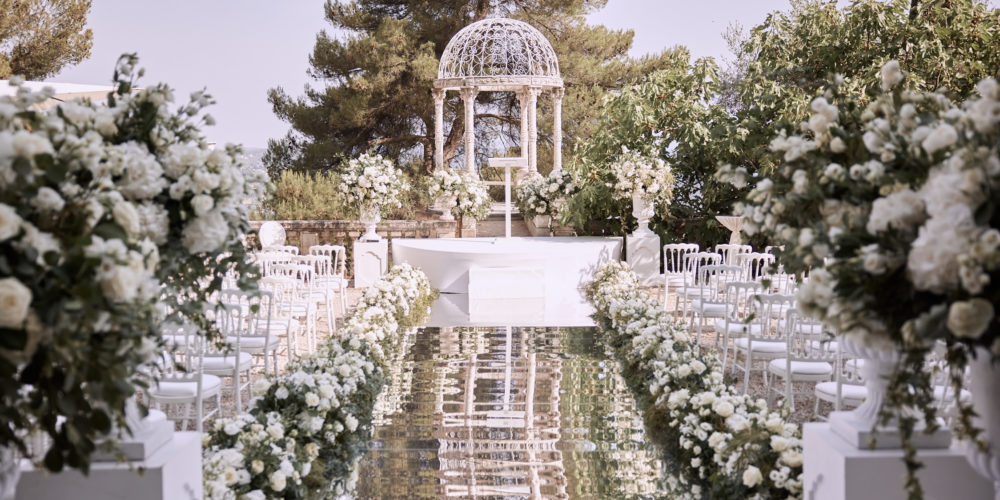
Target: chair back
[740,299]
[673,256]
[289,249]
[807,339]
[754,265]
[337,255]
[729,251]
[768,309]
[693,261]
[712,280]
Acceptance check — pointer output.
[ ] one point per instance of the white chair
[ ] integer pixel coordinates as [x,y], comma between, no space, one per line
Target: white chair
[229,360]
[691,289]
[739,308]
[290,309]
[729,251]
[271,233]
[267,260]
[673,266]
[261,336]
[289,249]
[320,292]
[808,358]
[764,341]
[180,380]
[303,307]
[755,265]
[846,391]
[709,304]
[333,275]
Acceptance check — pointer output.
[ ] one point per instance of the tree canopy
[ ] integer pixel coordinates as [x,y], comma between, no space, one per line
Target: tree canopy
[375,80]
[40,37]
[698,118]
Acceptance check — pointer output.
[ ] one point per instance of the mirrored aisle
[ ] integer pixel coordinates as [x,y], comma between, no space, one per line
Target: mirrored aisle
[507,412]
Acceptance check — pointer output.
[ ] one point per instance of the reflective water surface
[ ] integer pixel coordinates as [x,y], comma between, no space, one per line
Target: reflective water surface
[487,412]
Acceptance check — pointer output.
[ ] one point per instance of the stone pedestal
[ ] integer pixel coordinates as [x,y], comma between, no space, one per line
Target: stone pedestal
[642,252]
[173,472]
[371,261]
[836,470]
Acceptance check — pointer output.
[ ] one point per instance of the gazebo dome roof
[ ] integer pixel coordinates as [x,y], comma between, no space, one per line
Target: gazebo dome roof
[498,54]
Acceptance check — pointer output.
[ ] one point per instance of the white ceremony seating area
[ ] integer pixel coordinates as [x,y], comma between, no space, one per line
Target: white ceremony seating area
[741,305]
[296,291]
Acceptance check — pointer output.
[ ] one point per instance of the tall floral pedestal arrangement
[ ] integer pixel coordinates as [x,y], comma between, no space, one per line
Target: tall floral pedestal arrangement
[371,184]
[543,201]
[889,212]
[460,196]
[984,384]
[647,182]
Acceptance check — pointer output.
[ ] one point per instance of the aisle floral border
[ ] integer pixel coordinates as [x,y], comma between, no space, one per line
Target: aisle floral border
[716,443]
[307,428]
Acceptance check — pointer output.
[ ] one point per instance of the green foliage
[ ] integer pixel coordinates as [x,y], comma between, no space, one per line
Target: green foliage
[380,78]
[39,37]
[697,118]
[317,196]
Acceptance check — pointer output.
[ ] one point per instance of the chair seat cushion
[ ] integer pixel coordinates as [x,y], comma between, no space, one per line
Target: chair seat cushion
[277,325]
[736,328]
[811,368]
[854,365]
[848,392]
[829,346]
[255,343]
[715,309]
[187,388]
[801,327]
[226,364]
[761,345]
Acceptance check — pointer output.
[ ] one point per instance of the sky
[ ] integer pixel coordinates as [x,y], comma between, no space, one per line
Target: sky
[238,49]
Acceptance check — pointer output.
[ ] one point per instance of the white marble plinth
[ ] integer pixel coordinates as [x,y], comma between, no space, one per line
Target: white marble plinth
[836,470]
[171,473]
[371,261]
[642,252]
[859,433]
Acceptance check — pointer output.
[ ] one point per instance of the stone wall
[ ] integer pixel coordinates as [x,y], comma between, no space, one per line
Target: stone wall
[305,233]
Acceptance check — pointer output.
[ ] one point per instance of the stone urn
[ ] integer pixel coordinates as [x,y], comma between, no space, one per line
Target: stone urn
[643,210]
[370,215]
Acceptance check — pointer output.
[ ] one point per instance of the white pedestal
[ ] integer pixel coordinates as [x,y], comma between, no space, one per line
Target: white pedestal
[642,252]
[371,261]
[172,473]
[836,470]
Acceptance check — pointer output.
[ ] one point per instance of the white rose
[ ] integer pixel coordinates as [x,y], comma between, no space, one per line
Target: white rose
[724,408]
[277,480]
[312,399]
[275,431]
[206,233]
[15,300]
[792,458]
[120,283]
[257,466]
[10,222]
[941,137]
[201,204]
[970,318]
[351,423]
[232,428]
[779,443]
[48,200]
[127,217]
[752,477]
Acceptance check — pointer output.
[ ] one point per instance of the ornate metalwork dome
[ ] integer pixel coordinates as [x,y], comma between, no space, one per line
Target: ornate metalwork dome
[498,54]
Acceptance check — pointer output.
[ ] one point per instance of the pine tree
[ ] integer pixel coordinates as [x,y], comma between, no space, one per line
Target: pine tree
[39,37]
[375,83]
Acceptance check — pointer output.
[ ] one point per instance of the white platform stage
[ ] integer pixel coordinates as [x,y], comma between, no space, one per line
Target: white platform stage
[508,268]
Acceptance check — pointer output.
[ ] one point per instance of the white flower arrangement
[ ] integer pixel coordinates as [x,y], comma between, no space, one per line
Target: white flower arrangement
[372,181]
[903,245]
[546,195]
[467,192]
[93,211]
[649,177]
[302,435]
[722,441]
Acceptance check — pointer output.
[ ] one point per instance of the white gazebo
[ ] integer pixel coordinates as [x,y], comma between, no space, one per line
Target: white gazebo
[505,55]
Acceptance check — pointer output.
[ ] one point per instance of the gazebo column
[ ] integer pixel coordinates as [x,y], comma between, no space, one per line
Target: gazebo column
[522,99]
[469,103]
[438,127]
[557,97]
[533,93]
